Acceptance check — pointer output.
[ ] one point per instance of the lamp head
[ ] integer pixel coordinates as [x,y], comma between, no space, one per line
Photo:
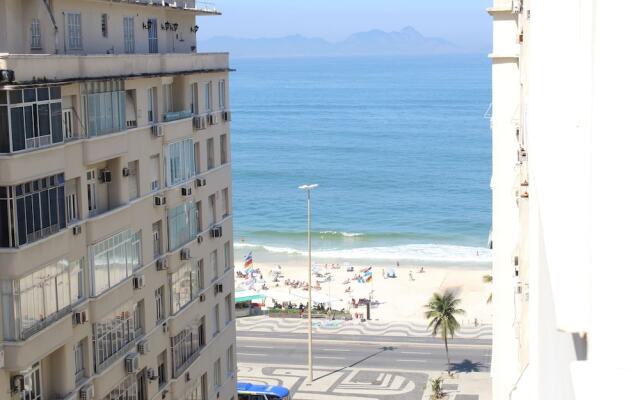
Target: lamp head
[308,187]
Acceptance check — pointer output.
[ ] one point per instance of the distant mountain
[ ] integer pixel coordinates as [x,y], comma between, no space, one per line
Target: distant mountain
[408,41]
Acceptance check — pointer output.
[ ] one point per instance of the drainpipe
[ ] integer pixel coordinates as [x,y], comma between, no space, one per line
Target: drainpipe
[53,22]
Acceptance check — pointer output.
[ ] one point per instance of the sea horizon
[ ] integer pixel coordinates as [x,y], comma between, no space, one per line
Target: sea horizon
[399,146]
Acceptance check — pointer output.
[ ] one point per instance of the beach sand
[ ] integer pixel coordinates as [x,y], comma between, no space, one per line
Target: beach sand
[401,299]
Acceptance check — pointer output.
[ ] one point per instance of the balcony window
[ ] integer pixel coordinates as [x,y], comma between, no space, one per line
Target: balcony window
[222,96]
[74,31]
[180,162]
[31,211]
[224,154]
[104,105]
[113,336]
[36,43]
[185,347]
[198,391]
[126,389]
[40,298]
[129,35]
[183,224]
[30,118]
[186,283]
[78,351]
[32,384]
[159,300]
[217,374]
[113,260]
[231,363]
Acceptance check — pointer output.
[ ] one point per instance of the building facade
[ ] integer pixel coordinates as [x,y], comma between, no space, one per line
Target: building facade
[564,211]
[116,249]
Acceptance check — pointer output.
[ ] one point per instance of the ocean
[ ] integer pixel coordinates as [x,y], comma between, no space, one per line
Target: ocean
[399,147]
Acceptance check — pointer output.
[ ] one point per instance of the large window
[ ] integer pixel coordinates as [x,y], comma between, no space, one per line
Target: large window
[32,384]
[113,336]
[129,35]
[31,211]
[126,389]
[184,349]
[227,256]
[198,391]
[217,374]
[35,300]
[104,106]
[30,118]
[186,282]
[221,94]
[159,299]
[231,363]
[180,162]
[183,224]
[74,31]
[36,43]
[113,260]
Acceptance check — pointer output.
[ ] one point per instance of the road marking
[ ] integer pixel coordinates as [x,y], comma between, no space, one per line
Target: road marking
[411,360]
[335,358]
[333,350]
[257,347]
[252,354]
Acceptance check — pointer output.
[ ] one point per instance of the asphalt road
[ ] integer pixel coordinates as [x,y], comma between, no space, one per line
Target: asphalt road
[365,351]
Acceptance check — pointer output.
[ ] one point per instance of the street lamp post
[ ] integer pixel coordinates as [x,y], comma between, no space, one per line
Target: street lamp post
[308,189]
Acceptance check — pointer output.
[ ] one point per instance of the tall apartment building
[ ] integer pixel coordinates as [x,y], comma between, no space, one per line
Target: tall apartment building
[116,262]
[565,216]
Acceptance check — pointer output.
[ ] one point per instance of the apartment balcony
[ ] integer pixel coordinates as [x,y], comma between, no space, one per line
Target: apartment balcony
[21,354]
[197,6]
[67,68]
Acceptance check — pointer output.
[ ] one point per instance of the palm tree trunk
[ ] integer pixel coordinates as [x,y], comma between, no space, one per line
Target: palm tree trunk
[446,347]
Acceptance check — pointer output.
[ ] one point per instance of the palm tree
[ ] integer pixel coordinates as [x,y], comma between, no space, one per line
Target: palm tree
[441,314]
[488,279]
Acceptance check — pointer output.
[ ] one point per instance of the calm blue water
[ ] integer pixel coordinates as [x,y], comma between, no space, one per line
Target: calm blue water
[399,147]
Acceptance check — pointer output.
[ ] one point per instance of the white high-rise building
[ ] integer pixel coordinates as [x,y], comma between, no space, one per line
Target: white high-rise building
[565,213]
[116,262]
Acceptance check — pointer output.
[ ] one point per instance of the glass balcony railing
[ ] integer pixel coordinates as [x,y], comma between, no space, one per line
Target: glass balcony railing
[176,115]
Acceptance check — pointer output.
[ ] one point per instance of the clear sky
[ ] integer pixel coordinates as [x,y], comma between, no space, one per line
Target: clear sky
[463,22]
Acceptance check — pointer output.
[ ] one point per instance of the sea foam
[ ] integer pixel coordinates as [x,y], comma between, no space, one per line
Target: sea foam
[411,252]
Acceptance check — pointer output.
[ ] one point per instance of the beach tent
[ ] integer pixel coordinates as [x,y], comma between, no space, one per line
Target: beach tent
[316,297]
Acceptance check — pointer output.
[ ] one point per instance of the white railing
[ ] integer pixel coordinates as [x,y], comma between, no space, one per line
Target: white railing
[199,5]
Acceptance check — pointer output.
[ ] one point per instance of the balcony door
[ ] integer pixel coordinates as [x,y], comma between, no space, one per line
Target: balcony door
[153,35]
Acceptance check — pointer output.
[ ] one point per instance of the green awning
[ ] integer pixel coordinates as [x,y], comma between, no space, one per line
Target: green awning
[250,298]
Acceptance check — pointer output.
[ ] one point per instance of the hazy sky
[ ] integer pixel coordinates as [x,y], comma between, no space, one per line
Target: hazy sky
[464,22]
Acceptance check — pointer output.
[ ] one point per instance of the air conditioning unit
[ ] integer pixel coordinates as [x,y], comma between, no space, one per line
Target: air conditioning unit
[218,288]
[138,282]
[126,171]
[157,130]
[211,119]
[76,230]
[80,317]
[185,254]
[165,328]
[151,374]
[161,264]
[200,239]
[7,75]
[226,115]
[203,297]
[131,363]
[143,347]
[186,191]
[216,231]
[199,122]
[200,182]
[105,176]
[17,383]
[159,200]
[86,393]
[187,376]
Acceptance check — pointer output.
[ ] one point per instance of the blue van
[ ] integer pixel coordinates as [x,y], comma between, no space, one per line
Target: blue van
[249,391]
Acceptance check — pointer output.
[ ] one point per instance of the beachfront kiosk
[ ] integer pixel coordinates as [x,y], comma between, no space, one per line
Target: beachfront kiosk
[244,301]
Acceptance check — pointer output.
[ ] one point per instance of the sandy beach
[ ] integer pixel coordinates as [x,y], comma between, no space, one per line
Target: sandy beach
[400,298]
